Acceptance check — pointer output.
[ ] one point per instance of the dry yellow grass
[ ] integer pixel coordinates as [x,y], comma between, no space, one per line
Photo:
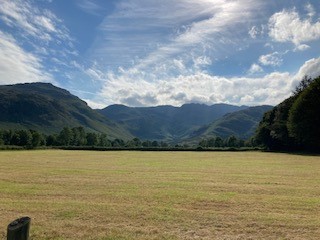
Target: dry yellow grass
[161,195]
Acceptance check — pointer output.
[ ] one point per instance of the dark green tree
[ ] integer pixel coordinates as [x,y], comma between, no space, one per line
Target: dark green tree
[134,143]
[164,144]
[65,137]
[7,136]
[118,143]
[303,84]
[304,117]
[51,140]
[218,142]
[22,138]
[241,143]
[273,130]
[103,140]
[137,142]
[79,136]
[147,144]
[203,143]
[232,141]
[211,142]
[92,139]
[37,139]
[155,144]
[15,139]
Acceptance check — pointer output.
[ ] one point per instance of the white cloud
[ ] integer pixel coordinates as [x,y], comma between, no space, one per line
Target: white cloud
[200,87]
[39,31]
[46,23]
[287,26]
[95,74]
[253,32]
[179,64]
[89,6]
[17,65]
[94,105]
[201,61]
[40,24]
[273,59]
[272,88]
[310,68]
[256,31]
[255,68]
[302,47]
[310,9]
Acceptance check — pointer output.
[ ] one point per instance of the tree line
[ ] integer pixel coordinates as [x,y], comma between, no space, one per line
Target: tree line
[230,142]
[76,136]
[294,124]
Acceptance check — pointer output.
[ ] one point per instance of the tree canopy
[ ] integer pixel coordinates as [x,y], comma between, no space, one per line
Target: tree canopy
[294,123]
[304,117]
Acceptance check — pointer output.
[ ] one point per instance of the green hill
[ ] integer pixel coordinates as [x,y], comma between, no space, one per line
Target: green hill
[46,108]
[241,124]
[166,123]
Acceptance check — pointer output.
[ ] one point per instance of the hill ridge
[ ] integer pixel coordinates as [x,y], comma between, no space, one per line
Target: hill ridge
[47,108]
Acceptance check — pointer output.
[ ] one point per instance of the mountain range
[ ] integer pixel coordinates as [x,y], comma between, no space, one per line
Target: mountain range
[46,108]
[166,123]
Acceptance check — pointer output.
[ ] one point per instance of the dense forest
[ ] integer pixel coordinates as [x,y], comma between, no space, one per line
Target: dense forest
[293,125]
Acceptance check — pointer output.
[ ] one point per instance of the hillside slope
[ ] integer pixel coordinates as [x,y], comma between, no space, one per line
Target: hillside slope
[241,124]
[166,123]
[46,108]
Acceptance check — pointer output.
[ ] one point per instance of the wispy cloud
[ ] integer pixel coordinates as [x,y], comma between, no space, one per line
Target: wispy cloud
[272,59]
[30,20]
[37,38]
[17,65]
[144,33]
[89,6]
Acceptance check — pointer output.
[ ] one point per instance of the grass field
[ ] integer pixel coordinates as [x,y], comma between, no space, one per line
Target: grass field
[161,195]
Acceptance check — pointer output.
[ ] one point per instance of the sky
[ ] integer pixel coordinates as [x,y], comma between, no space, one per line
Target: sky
[168,52]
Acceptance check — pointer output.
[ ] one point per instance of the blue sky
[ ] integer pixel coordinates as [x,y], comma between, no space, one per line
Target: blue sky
[169,52]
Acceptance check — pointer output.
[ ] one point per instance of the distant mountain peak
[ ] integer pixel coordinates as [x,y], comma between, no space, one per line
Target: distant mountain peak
[167,123]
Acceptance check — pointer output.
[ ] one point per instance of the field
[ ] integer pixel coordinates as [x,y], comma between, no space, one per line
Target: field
[161,195]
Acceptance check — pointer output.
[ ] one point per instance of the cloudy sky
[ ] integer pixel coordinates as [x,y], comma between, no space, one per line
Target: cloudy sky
[151,52]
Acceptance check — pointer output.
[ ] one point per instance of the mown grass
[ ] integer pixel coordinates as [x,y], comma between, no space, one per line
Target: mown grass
[161,195]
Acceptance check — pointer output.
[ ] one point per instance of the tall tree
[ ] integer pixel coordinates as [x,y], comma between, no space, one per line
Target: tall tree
[37,139]
[65,136]
[304,117]
[218,142]
[103,140]
[79,136]
[7,137]
[92,139]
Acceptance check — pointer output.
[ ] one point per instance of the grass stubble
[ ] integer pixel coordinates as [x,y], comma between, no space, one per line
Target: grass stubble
[161,195]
